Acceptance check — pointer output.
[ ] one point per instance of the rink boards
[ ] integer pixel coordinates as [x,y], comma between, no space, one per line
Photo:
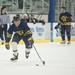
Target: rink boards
[42,33]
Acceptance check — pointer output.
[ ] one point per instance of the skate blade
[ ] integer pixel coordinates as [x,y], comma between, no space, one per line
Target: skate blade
[13,60]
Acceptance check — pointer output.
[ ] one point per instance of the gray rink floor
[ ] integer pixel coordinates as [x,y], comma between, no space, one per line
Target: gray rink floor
[60,60]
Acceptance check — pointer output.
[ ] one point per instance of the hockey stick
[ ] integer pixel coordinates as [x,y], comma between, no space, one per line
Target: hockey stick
[43,62]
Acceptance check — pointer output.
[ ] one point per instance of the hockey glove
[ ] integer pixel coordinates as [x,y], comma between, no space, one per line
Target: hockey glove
[7,46]
[57,26]
[31,40]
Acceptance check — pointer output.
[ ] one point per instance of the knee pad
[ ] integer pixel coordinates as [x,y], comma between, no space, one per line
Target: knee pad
[14,46]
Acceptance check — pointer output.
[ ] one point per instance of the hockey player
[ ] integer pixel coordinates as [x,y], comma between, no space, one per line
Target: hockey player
[4,12]
[21,31]
[65,25]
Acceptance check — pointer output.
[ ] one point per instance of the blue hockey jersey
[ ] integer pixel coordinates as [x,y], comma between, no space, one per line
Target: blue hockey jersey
[21,30]
[65,17]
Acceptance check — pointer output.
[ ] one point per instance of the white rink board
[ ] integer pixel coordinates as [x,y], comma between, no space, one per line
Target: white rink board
[40,32]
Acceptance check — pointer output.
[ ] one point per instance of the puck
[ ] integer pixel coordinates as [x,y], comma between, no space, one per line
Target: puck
[43,62]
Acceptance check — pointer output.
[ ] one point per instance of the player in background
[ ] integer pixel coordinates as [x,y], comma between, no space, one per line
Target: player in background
[4,27]
[21,31]
[65,25]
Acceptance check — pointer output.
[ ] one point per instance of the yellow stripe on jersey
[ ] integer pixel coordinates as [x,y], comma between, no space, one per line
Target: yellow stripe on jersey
[28,32]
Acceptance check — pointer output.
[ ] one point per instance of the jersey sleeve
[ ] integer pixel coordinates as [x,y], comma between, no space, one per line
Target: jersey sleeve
[26,27]
[27,30]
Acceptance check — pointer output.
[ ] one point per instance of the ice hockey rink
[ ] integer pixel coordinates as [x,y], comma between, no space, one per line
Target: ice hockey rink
[60,60]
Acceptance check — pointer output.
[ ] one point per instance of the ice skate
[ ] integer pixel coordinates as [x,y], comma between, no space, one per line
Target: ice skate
[14,58]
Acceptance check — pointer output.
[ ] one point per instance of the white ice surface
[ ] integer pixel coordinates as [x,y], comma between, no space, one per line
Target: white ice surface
[60,60]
